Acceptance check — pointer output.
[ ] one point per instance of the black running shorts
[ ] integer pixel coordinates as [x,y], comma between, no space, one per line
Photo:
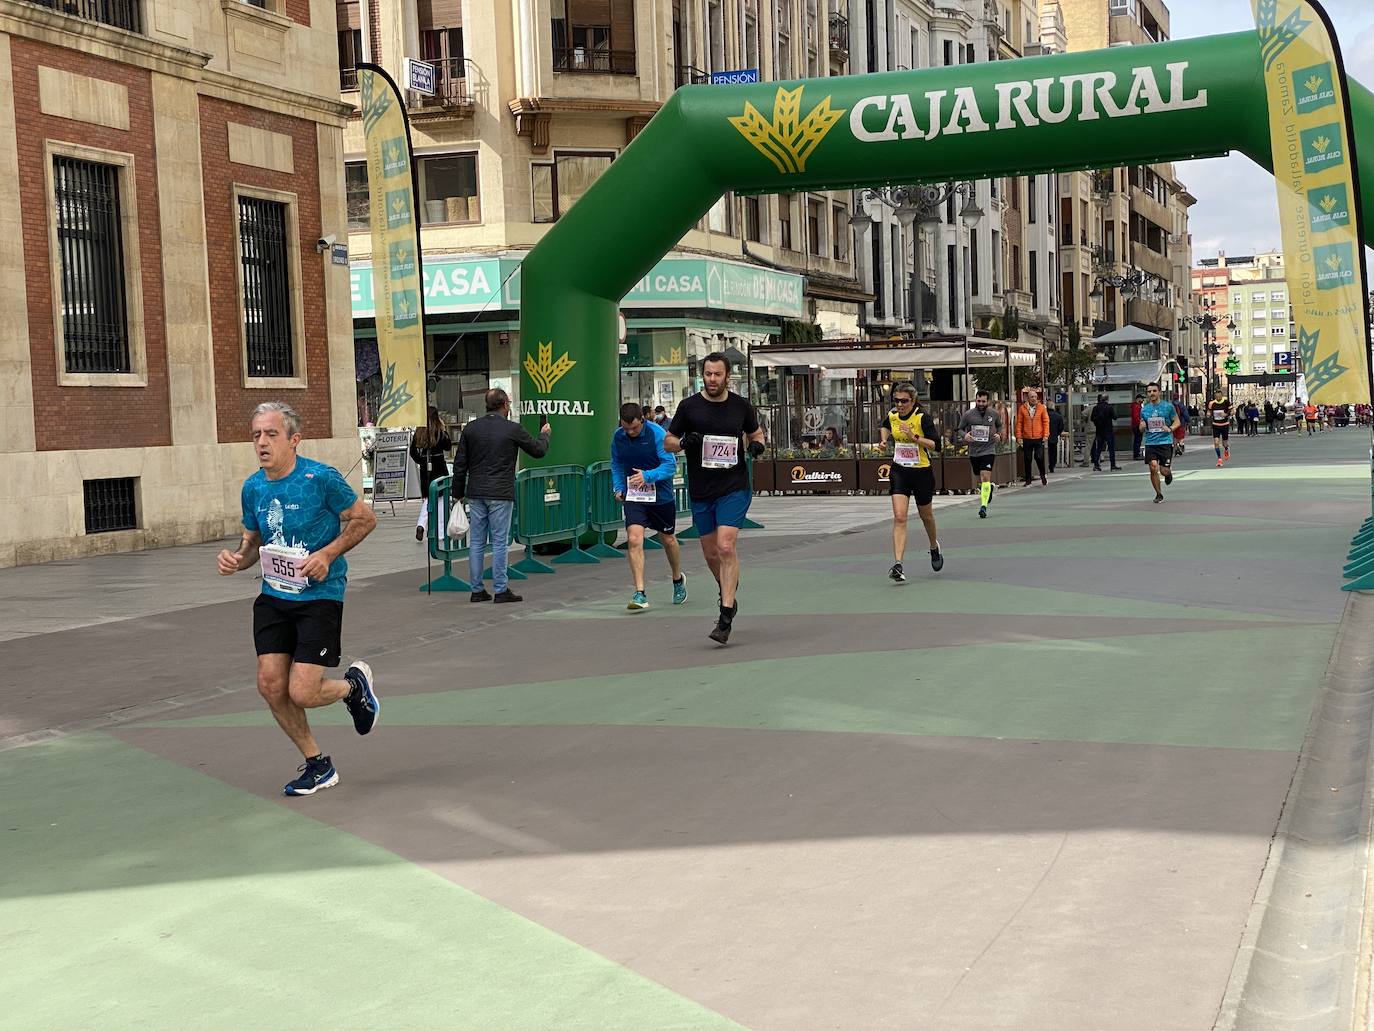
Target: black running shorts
[1224,432]
[914,483]
[981,463]
[1161,453]
[308,631]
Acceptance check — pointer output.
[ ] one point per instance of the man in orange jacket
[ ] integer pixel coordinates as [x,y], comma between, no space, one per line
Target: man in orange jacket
[1033,429]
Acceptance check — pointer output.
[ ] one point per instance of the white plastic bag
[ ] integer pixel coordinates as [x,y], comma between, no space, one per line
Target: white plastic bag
[457,521]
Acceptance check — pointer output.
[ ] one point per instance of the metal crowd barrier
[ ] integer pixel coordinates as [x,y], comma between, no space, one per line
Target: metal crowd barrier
[552,505]
[603,510]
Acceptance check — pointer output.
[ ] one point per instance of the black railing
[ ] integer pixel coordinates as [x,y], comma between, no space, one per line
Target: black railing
[266,288]
[348,79]
[839,33]
[586,59]
[451,82]
[122,14]
[689,75]
[91,250]
[110,504]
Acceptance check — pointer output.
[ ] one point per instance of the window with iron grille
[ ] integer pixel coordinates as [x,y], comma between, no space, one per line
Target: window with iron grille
[266,288]
[95,328]
[110,504]
[122,14]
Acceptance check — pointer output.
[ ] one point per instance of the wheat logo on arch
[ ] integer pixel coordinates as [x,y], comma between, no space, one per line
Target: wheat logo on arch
[788,140]
[545,371]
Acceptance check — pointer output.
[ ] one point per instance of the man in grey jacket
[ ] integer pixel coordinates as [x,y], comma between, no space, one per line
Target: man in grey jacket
[484,473]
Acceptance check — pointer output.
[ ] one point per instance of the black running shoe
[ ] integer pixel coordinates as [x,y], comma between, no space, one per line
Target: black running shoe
[1159,499]
[361,700]
[315,774]
[895,574]
[937,560]
[1168,477]
[721,634]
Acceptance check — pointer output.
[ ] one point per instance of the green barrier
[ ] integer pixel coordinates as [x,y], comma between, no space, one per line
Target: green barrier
[552,507]
[441,547]
[603,510]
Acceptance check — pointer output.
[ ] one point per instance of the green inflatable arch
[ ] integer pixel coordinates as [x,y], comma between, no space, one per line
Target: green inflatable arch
[1124,106]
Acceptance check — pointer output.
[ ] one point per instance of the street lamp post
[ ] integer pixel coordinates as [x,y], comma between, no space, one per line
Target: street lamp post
[918,206]
[1209,322]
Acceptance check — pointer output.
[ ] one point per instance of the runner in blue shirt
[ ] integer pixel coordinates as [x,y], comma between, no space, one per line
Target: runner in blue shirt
[1158,420]
[642,474]
[300,517]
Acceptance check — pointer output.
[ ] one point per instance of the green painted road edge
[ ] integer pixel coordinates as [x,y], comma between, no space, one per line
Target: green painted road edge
[1302,957]
[252,890]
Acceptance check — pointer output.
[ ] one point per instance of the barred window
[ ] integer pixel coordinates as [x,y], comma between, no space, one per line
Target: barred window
[90,247]
[266,288]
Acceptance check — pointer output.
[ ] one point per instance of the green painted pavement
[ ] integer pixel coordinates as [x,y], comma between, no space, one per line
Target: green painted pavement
[1036,690]
[1307,545]
[139,893]
[860,590]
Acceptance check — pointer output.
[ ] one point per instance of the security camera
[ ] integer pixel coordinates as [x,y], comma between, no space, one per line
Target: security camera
[325,242]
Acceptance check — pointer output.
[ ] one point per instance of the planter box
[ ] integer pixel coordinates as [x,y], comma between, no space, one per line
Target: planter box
[1004,469]
[764,475]
[956,475]
[812,476]
[873,475]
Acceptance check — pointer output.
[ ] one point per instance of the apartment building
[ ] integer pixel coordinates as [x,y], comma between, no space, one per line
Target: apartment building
[1126,249]
[968,275]
[1250,291]
[169,166]
[533,101]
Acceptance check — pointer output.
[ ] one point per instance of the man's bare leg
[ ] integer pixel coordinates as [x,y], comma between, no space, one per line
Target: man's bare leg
[635,536]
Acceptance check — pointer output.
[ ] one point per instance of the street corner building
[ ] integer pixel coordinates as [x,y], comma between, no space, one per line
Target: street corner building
[172,173]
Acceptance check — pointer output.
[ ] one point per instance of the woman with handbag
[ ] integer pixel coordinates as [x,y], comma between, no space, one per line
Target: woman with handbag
[428,448]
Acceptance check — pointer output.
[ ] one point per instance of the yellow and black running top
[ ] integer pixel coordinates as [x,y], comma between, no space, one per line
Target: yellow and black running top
[909,431]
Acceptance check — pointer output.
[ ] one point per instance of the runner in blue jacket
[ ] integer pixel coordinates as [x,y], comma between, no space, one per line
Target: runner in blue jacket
[642,474]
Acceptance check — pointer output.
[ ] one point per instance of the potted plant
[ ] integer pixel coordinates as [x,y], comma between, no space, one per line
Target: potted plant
[956,473]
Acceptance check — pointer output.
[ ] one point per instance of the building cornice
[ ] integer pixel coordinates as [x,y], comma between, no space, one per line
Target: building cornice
[582,106]
[27,21]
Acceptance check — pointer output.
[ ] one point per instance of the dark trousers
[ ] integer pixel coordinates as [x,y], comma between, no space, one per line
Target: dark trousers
[1104,442]
[1036,449]
[1135,444]
[1054,450]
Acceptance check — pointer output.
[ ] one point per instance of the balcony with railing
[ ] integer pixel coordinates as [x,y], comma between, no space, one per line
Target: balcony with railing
[453,95]
[689,75]
[839,36]
[121,14]
[594,60]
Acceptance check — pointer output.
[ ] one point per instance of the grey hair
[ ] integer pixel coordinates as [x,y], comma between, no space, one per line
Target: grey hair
[289,415]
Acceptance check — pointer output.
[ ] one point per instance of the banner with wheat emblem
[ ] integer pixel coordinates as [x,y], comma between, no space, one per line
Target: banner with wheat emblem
[396,258]
[1317,180]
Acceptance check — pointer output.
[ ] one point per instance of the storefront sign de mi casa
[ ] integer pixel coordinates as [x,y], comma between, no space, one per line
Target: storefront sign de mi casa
[494,283]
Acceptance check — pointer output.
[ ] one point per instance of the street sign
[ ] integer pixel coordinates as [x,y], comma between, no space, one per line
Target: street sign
[735,78]
[1283,361]
[338,254]
[419,77]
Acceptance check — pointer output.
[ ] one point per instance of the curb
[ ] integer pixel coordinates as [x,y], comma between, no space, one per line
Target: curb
[1301,962]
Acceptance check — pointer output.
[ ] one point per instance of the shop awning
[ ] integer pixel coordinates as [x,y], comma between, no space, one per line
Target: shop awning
[942,357]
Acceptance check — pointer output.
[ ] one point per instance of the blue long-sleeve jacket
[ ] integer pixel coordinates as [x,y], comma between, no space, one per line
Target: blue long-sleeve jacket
[644,452]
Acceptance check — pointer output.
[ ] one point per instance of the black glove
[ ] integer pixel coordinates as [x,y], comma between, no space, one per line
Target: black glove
[756,449]
[692,439]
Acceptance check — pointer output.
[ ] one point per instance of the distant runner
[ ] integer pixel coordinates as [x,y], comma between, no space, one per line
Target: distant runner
[1219,409]
[911,476]
[981,429]
[1158,420]
[293,508]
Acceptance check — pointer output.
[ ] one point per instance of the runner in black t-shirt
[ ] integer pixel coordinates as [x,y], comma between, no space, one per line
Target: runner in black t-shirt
[710,428]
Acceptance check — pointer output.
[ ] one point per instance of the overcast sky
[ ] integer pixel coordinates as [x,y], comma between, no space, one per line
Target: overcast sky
[1237,209]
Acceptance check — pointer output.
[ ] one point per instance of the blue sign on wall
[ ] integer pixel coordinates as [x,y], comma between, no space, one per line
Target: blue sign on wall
[734,78]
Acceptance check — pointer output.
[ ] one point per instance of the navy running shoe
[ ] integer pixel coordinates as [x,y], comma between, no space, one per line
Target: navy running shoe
[314,774]
[361,700]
